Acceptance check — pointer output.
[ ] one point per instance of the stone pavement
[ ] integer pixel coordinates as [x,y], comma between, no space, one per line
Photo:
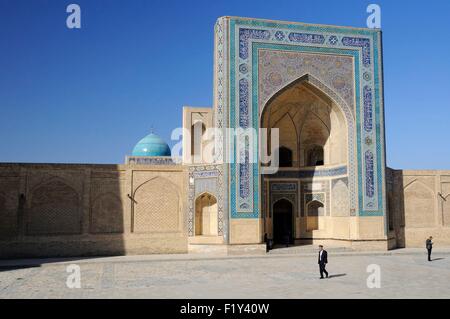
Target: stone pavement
[290,273]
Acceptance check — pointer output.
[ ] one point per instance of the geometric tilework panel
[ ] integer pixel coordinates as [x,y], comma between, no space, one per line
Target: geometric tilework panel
[221,120]
[264,55]
[340,196]
[314,197]
[318,191]
[279,68]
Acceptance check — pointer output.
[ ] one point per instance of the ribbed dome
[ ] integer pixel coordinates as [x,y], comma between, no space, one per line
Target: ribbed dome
[151,145]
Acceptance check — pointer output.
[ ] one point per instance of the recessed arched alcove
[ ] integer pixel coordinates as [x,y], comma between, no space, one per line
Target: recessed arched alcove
[310,124]
[314,210]
[313,143]
[206,218]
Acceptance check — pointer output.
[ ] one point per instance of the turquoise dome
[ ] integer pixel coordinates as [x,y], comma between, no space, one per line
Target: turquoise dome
[151,145]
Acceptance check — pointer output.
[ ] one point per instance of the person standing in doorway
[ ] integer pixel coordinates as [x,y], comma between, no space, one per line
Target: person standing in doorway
[429,245]
[323,260]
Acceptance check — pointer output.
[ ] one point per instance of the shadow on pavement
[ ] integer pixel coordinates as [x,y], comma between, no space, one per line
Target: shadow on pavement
[15,264]
[337,275]
[9,268]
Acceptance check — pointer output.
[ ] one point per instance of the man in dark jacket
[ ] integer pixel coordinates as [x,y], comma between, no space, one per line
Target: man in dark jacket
[323,260]
[429,245]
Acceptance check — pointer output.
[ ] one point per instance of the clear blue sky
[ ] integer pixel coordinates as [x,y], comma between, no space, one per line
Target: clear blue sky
[87,96]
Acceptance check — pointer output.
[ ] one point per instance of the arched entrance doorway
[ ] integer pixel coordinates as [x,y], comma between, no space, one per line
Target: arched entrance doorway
[206,221]
[313,139]
[283,222]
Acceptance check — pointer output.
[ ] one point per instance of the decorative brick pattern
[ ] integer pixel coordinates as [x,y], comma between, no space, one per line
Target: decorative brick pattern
[107,197]
[107,214]
[54,209]
[9,205]
[156,207]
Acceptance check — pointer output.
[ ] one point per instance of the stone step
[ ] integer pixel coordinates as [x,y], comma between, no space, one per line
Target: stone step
[206,240]
[207,249]
[306,249]
[227,250]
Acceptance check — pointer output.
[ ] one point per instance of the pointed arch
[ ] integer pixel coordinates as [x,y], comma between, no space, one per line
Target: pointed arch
[421,183]
[326,94]
[287,130]
[284,198]
[419,205]
[318,118]
[156,207]
[314,209]
[342,133]
[54,208]
[51,179]
[206,215]
[162,179]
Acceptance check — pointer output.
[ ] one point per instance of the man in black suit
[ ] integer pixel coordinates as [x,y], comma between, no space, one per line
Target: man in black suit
[429,245]
[323,260]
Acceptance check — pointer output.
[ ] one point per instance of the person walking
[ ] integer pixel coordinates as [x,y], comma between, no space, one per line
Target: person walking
[287,238]
[429,245]
[323,260]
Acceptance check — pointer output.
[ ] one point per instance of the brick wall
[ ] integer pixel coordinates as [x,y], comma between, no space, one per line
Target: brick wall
[49,210]
[419,206]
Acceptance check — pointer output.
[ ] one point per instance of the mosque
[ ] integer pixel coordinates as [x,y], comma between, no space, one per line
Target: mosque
[321,87]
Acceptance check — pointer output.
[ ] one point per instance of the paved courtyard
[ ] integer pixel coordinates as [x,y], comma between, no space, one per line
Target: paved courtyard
[273,276]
